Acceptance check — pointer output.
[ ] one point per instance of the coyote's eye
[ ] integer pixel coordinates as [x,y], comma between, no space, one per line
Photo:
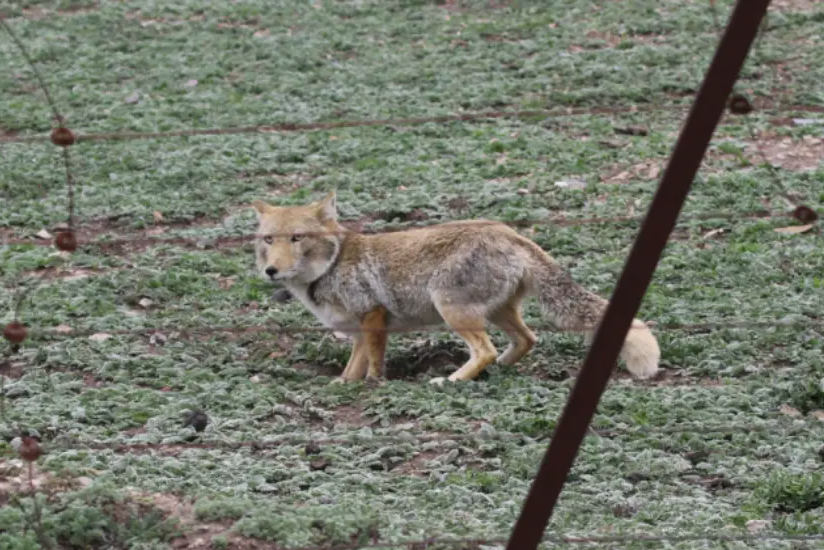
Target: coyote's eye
[296,237]
[268,239]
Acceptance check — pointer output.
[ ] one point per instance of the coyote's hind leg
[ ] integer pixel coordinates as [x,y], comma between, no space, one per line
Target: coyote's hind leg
[521,338]
[470,327]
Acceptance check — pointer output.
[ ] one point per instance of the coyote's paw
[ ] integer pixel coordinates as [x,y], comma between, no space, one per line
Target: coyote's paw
[339,380]
[508,357]
[439,381]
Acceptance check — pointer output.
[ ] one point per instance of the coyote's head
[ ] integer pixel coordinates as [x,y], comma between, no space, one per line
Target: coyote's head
[297,243]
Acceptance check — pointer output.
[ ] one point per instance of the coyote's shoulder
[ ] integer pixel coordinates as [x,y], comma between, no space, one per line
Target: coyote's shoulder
[462,273]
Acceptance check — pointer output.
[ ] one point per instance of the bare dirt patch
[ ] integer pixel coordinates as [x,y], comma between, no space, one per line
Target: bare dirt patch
[798,155]
[426,357]
[14,479]
[72,10]
[64,274]
[458,204]
[598,40]
[389,216]
[416,466]
[149,22]
[460,6]
[329,370]
[795,5]
[622,174]
[716,161]
[193,534]
[160,225]
[351,415]
[91,381]
[115,227]
[12,369]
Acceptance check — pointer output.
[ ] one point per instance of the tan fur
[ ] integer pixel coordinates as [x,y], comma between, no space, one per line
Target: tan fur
[459,273]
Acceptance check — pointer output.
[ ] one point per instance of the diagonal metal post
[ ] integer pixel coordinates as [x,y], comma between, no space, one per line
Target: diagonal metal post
[643,258]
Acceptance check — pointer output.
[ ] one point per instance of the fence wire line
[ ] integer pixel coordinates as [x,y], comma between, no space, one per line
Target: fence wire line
[284,127]
[559,221]
[176,331]
[558,539]
[352,439]
[331,125]
[25,53]
[70,183]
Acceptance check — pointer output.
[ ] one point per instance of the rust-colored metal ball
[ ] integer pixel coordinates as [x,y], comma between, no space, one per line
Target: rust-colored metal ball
[30,449]
[62,136]
[15,332]
[197,420]
[805,214]
[66,241]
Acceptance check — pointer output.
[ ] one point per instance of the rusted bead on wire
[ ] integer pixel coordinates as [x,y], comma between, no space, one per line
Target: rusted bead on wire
[15,332]
[805,214]
[197,420]
[66,241]
[62,136]
[30,449]
[740,105]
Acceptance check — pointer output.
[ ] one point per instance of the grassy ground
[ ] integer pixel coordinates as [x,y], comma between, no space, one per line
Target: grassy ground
[731,433]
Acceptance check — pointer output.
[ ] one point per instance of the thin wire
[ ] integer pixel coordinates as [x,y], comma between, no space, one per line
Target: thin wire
[23,294]
[69,186]
[552,539]
[185,331]
[355,438]
[413,121]
[24,52]
[756,49]
[559,221]
[53,105]
[314,126]
[771,168]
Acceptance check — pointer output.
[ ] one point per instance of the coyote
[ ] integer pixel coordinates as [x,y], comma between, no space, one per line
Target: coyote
[461,273]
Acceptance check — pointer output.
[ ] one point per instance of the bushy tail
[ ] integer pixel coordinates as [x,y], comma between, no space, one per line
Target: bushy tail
[572,307]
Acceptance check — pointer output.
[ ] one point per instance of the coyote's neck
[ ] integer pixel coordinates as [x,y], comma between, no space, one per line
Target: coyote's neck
[309,285]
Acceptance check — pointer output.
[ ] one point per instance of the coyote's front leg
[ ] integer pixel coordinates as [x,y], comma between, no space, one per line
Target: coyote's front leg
[375,338]
[356,367]
[368,348]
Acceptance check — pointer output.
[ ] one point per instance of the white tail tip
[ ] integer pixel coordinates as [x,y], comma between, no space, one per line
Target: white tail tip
[640,352]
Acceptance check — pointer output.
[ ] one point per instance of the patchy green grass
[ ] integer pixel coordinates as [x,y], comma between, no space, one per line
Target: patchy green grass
[731,433]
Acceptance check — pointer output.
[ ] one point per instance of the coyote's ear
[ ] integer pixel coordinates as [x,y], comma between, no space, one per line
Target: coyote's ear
[260,208]
[328,207]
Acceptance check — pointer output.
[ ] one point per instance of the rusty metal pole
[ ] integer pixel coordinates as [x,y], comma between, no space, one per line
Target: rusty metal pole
[643,258]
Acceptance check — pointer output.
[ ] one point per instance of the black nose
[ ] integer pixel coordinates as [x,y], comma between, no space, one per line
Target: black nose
[271,271]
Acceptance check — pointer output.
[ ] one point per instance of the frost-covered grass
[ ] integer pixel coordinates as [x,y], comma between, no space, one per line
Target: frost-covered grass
[728,435]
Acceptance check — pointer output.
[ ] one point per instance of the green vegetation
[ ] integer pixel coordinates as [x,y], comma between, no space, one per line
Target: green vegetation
[731,433]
